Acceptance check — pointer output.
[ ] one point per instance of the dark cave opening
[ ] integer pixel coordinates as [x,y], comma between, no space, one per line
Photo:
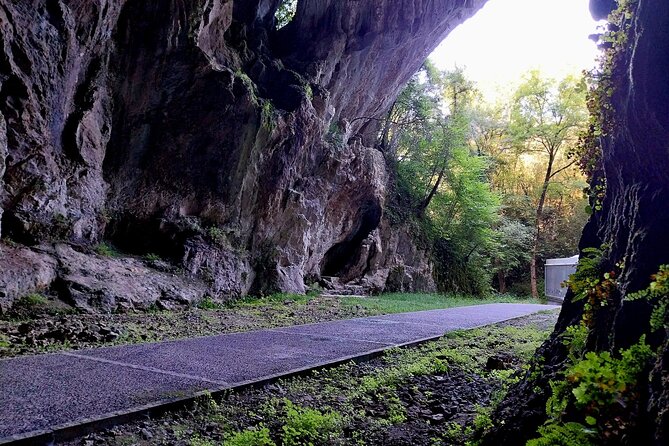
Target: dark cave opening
[148,236]
[340,257]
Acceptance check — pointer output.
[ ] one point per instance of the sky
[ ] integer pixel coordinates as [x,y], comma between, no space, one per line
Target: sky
[507,38]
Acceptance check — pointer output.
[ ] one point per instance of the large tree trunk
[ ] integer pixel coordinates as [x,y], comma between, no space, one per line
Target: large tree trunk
[633,224]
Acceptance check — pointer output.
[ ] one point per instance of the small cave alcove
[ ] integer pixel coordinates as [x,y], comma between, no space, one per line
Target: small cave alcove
[341,257]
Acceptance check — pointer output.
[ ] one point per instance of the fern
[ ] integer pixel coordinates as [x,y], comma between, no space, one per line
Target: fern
[568,434]
[574,339]
[587,273]
[658,294]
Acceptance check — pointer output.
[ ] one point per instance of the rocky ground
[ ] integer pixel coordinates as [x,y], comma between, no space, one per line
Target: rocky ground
[441,393]
[39,324]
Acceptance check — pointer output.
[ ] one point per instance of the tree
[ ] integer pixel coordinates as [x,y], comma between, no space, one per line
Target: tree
[285,13]
[428,134]
[546,119]
[512,250]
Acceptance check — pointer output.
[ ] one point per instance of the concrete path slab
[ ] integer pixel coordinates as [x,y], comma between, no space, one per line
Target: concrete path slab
[233,358]
[463,317]
[380,331]
[47,397]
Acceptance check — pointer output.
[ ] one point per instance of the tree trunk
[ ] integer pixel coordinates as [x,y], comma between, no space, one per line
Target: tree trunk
[501,280]
[537,225]
[426,202]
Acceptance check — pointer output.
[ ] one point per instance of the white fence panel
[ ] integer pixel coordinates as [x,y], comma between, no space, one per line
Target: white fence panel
[557,271]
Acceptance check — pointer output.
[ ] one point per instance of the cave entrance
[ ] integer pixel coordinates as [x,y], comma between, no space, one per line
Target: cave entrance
[341,257]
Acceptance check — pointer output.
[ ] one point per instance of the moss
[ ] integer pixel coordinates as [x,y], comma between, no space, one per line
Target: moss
[248,84]
[267,115]
[308,91]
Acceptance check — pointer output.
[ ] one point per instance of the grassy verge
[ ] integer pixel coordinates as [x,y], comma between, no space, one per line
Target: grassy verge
[406,302]
[41,325]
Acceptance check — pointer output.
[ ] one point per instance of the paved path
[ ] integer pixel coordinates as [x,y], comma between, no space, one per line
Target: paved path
[43,394]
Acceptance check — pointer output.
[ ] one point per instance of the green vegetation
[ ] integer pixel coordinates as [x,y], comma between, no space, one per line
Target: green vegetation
[387,303]
[488,188]
[305,426]
[152,257]
[106,250]
[31,300]
[658,294]
[285,13]
[568,434]
[4,341]
[209,304]
[547,118]
[405,302]
[216,235]
[267,114]
[592,283]
[251,437]
[602,387]
[276,299]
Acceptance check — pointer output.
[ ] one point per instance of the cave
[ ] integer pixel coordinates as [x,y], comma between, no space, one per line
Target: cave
[341,257]
[134,109]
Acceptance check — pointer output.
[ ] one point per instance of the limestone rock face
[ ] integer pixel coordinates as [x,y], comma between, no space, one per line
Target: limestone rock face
[91,282]
[197,131]
[397,263]
[24,271]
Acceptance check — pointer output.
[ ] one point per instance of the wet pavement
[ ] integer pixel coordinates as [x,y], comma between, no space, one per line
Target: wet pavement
[46,394]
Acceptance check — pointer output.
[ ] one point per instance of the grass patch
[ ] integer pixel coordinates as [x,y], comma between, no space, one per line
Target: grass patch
[277,299]
[106,250]
[31,300]
[407,302]
[209,304]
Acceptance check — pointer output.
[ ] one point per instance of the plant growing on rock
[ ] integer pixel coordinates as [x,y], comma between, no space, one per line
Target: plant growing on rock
[658,294]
